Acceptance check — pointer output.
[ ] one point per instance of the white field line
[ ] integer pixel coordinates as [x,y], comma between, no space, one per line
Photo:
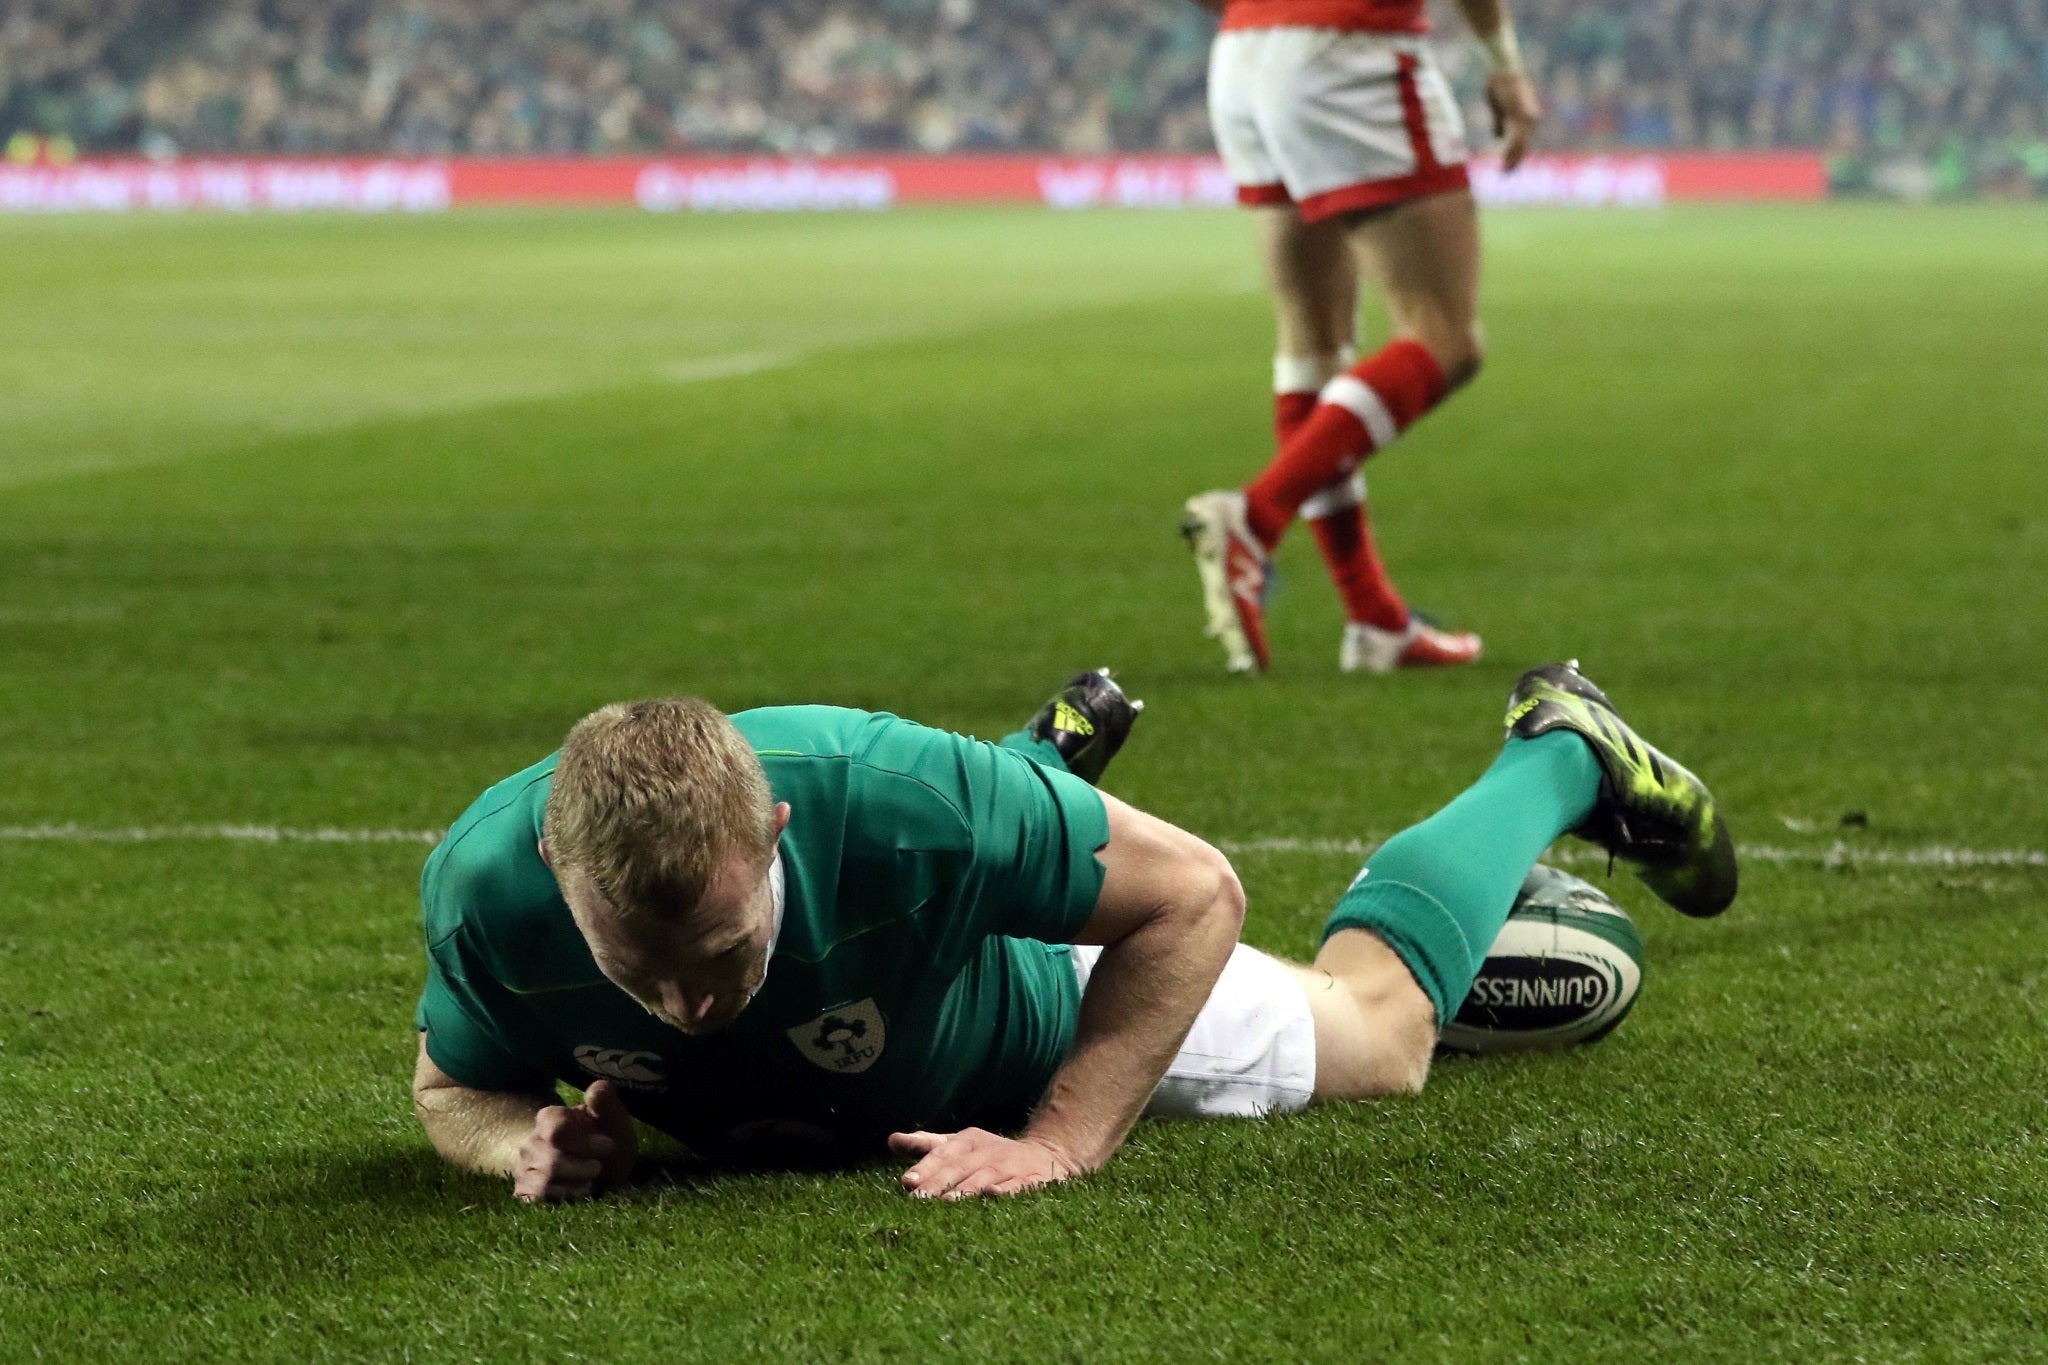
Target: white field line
[703,369]
[1837,854]
[732,366]
[236,834]
[59,616]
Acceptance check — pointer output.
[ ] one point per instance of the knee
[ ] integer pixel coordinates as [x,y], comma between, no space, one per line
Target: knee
[1461,352]
[1475,353]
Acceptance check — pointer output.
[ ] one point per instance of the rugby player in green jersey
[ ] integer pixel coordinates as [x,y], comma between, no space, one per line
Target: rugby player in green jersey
[823,932]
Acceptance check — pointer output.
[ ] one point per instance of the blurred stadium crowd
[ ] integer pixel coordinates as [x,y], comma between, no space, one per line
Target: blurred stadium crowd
[1913,96]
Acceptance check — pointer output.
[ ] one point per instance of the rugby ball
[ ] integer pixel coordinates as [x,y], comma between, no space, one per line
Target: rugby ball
[1565,969]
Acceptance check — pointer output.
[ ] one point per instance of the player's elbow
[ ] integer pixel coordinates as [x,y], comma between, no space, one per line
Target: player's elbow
[1218,891]
[442,1110]
[440,1131]
[430,1105]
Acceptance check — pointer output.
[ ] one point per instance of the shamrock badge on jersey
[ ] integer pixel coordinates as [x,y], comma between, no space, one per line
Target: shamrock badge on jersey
[846,1040]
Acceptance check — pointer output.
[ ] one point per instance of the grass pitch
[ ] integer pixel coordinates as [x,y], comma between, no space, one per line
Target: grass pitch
[330,523]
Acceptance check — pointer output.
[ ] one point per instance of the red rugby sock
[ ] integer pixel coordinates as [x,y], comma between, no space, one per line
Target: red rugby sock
[1359,412]
[1343,533]
[1345,538]
[1290,410]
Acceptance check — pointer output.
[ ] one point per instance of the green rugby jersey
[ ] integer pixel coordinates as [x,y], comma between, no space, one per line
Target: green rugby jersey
[918,980]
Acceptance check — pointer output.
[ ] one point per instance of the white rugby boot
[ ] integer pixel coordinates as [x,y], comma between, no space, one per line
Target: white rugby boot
[1236,573]
[1423,644]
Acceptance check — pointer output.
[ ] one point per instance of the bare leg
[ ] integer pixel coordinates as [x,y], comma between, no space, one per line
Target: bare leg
[1438,888]
[1424,256]
[1375,1029]
[1314,279]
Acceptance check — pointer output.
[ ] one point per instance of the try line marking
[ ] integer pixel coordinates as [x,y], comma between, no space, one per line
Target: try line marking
[736,365]
[1837,854]
[233,834]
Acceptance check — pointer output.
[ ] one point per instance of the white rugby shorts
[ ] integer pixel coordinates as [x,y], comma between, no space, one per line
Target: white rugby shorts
[1252,1050]
[1333,121]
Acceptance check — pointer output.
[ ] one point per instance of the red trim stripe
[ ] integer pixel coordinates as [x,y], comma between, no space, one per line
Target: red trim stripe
[1413,115]
[1258,196]
[1380,193]
[1350,16]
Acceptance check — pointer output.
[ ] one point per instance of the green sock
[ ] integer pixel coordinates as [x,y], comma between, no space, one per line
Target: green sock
[1028,744]
[1439,892]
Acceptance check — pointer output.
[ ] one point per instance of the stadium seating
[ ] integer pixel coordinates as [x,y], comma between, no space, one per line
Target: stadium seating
[1958,88]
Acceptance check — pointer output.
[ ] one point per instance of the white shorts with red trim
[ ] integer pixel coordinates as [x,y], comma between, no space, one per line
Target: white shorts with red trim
[1251,1051]
[1333,121]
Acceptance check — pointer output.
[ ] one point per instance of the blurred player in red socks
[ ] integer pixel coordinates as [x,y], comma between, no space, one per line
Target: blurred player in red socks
[1344,140]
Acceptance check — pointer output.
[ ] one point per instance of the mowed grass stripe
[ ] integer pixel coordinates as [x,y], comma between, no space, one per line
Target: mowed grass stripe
[131,343]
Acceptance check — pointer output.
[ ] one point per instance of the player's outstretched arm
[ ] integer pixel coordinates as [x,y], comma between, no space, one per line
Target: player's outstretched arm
[1510,94]
[1167,918]
[553,1152]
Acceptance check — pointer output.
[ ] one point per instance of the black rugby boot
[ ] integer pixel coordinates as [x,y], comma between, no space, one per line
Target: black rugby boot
[1651,813]
[1087,721]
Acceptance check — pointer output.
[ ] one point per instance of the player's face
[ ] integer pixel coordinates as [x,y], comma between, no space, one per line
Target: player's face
[697,974]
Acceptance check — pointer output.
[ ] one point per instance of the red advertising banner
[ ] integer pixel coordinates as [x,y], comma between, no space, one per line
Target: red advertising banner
[234,186]
[771,184]
[1647,181]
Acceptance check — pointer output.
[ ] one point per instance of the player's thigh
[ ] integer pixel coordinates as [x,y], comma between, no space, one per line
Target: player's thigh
[1375,1028]
[1424,257]
[1314,278]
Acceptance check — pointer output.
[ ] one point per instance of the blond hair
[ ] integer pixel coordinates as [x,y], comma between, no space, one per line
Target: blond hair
[650,798]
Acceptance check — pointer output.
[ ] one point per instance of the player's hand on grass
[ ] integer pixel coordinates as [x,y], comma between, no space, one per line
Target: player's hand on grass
[574,1153]
[975,1161]
[1516,112]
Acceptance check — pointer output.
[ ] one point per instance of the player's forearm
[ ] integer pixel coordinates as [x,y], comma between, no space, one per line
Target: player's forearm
[478,1130]
[1494,27]
[1144,993]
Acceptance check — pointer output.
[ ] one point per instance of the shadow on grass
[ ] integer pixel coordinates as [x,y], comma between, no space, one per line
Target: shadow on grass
[270,1227]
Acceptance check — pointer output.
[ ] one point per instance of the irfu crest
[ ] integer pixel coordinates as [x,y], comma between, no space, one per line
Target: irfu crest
[847,1040]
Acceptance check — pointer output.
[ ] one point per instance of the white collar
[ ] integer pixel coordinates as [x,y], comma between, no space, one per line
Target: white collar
[775,892]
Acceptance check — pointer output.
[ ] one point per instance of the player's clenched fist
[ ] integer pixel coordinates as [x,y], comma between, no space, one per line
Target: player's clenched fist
[975,1161]
[573,1153]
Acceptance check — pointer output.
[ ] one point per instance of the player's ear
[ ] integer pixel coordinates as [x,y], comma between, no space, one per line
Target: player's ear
[549,858]
[781,822]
